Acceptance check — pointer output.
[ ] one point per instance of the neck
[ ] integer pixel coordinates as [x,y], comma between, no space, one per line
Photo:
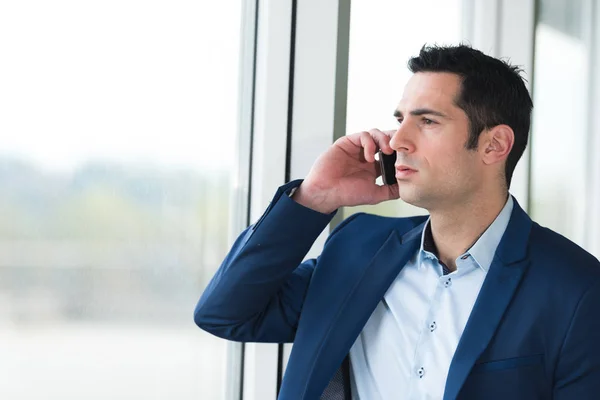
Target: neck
[457,227]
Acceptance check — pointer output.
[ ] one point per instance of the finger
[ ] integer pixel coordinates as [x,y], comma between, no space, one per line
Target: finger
[369,146]
[382,139]
[361,156]
[351,145]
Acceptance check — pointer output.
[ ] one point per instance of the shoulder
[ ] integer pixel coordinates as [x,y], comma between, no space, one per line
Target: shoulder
[567,263]
[366,227]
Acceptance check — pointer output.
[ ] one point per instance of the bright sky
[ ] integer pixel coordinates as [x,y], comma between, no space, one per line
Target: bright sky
[126,80]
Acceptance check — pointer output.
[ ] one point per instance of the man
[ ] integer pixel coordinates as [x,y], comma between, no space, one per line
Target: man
[475,301]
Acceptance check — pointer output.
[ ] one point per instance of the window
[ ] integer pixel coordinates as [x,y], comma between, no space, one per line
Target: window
[560,117]
[115,185]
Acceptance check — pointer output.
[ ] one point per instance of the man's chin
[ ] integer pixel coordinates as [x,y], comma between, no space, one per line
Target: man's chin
[411,196]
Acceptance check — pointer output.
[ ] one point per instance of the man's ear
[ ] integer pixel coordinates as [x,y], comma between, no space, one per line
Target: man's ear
[496,143]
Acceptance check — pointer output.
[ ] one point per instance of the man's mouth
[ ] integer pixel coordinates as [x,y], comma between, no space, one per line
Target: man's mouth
[403,171]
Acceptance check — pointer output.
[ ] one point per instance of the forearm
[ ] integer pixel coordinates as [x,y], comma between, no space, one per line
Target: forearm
[263,277]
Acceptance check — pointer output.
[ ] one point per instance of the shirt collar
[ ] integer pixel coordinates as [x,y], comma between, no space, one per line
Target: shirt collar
[483,249]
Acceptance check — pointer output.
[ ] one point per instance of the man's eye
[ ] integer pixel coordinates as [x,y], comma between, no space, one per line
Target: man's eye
[399,120]
[428,121]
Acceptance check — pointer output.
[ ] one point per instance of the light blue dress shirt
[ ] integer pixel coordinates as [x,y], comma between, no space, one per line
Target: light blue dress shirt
[405,349]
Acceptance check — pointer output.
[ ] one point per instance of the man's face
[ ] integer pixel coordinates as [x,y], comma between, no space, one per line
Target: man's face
[431,139]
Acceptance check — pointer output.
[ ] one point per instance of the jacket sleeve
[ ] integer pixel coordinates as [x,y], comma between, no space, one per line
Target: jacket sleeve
[577,374]
[257,293]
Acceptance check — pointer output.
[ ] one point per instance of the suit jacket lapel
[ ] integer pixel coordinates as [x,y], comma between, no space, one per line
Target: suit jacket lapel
[509,264]
[376,278]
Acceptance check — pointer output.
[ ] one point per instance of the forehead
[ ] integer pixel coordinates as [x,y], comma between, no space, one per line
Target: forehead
[437,90]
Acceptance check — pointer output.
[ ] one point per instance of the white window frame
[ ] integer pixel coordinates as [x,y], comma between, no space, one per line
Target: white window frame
[319,93]
[240,195]
[593,200]
[287,32]
[268,163]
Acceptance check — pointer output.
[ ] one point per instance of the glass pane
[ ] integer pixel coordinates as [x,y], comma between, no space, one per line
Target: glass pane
[113,196]
[559,130]
[384,34]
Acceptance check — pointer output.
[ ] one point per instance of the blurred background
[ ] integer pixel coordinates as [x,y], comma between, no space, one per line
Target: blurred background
[128,132]
[117,123]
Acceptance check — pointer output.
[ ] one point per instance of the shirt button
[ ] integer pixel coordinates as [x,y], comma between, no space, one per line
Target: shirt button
[421,372]
[432,326]
[448,282]
[464,257]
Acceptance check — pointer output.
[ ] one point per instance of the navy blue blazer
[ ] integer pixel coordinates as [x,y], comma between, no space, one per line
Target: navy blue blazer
[534,332]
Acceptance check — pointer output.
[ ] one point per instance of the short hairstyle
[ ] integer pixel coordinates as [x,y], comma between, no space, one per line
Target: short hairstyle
[492,93]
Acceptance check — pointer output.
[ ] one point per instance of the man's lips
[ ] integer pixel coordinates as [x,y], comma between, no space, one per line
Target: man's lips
[404,167]
[403,171]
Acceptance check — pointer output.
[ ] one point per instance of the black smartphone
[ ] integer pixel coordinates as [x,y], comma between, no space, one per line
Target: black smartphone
[388,168]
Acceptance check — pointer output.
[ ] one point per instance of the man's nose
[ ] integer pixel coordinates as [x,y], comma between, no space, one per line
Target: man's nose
[402,140]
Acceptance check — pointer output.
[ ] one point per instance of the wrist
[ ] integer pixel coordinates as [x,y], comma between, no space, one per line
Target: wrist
[315,199]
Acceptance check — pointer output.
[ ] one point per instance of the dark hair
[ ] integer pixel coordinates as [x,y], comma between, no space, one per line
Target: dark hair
[492,93]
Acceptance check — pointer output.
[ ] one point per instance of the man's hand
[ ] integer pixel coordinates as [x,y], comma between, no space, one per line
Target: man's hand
[345,174]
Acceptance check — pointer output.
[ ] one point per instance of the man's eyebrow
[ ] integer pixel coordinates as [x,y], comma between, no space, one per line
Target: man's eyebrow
[421,111]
